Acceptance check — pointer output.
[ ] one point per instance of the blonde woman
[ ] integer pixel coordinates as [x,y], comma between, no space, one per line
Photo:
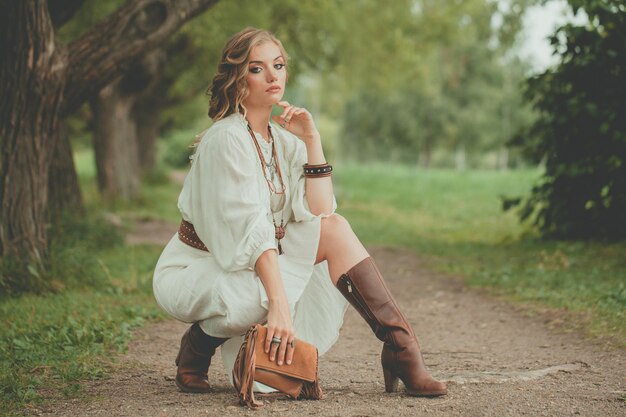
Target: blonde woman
[260,241]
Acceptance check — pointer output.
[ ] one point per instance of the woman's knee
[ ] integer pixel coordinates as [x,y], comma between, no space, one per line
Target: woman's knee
[334,225]
[334,228]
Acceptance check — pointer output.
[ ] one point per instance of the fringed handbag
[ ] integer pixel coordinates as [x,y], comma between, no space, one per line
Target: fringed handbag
[299,380]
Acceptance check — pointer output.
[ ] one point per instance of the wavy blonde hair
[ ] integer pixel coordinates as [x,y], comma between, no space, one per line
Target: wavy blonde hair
[229,89]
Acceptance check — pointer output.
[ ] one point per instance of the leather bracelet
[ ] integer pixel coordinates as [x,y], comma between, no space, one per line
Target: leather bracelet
[319,170]
[318,175]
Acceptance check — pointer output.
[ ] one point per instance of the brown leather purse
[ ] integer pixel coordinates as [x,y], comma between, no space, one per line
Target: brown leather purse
[299,380]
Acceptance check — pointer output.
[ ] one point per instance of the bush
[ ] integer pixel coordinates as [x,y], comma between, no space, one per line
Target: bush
[176,148]
[581,130]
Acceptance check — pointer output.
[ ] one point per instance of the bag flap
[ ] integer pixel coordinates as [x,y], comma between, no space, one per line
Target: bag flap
[303,364]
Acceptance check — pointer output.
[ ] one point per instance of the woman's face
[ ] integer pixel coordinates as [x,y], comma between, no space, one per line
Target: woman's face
[267,76]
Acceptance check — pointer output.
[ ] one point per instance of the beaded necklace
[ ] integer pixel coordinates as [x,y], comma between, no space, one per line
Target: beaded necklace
[265,166]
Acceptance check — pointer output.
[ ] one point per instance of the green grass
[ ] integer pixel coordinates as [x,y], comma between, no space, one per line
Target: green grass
[50,342]
[454,219]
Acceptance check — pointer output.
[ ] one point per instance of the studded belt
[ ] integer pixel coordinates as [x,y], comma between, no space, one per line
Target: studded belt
[187,234]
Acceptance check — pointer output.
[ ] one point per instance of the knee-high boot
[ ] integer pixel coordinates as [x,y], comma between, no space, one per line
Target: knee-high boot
[364,287]
[194,358]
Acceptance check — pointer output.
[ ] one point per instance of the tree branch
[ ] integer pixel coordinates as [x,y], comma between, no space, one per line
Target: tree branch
[108,50]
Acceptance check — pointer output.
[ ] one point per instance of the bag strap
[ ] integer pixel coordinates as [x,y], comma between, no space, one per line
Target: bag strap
[243,370]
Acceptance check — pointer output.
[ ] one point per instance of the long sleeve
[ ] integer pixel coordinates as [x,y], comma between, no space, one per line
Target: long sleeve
[225,202]
[299,203]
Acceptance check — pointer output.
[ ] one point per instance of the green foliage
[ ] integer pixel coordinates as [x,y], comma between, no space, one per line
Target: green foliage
[581,129]
[454,220]
[454,90]
[176,147]
[88,15]
[394,128]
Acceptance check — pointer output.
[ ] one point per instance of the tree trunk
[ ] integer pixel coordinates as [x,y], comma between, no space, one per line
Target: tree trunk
[115,143]
[147,122]
[126,127]
[425,154]
[64,189]
[148,106]
[459,157]
[32,80]
[503,158]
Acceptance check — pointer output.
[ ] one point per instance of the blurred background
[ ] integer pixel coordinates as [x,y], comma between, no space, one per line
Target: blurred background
[486,135]
[426,84]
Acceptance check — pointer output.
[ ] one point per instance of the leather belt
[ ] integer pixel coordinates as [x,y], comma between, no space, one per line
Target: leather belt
[187,234]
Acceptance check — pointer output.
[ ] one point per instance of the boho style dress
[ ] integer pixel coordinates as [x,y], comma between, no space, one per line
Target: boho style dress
[226,197]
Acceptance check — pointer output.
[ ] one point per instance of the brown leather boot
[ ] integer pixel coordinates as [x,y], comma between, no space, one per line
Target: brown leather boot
[194,358]
[364,287]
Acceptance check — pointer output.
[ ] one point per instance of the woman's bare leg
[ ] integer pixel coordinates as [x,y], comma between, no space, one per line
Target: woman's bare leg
[339,246]
[356,276]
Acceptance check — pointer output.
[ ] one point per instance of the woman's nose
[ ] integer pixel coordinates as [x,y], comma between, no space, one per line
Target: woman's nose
[272,75]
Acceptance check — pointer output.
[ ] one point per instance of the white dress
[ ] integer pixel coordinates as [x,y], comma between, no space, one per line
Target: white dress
[226,197]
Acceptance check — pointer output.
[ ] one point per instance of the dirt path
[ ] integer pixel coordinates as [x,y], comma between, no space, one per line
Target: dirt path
[498,362]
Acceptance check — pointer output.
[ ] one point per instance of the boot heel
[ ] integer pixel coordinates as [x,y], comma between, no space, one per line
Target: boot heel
[391,381]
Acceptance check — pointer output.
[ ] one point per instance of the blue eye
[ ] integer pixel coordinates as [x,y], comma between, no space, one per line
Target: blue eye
[279,66]
[255,70]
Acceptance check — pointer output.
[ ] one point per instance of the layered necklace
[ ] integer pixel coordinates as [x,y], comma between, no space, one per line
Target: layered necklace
[270,176]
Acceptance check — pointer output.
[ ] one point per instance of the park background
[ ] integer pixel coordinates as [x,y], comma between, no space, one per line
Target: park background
[435,117]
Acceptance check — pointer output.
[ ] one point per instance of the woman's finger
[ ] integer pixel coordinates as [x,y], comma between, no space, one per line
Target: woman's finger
[303,115]
[291,346]
[285,105]
[274,349]
[279,121]
[290,113]
[281,351]
[285,112]
[268,340]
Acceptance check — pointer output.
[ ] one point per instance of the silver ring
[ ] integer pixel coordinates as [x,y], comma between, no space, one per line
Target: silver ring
[283,125]
[276,340]
[292,343]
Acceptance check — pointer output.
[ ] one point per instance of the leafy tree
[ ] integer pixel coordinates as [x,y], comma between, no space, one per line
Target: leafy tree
[581,129]
[441,80]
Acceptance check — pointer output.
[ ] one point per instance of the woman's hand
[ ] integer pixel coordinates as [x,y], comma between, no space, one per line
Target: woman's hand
[297,120]
[279,325]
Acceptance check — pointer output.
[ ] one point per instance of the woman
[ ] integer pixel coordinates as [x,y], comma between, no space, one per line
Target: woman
[260,240]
